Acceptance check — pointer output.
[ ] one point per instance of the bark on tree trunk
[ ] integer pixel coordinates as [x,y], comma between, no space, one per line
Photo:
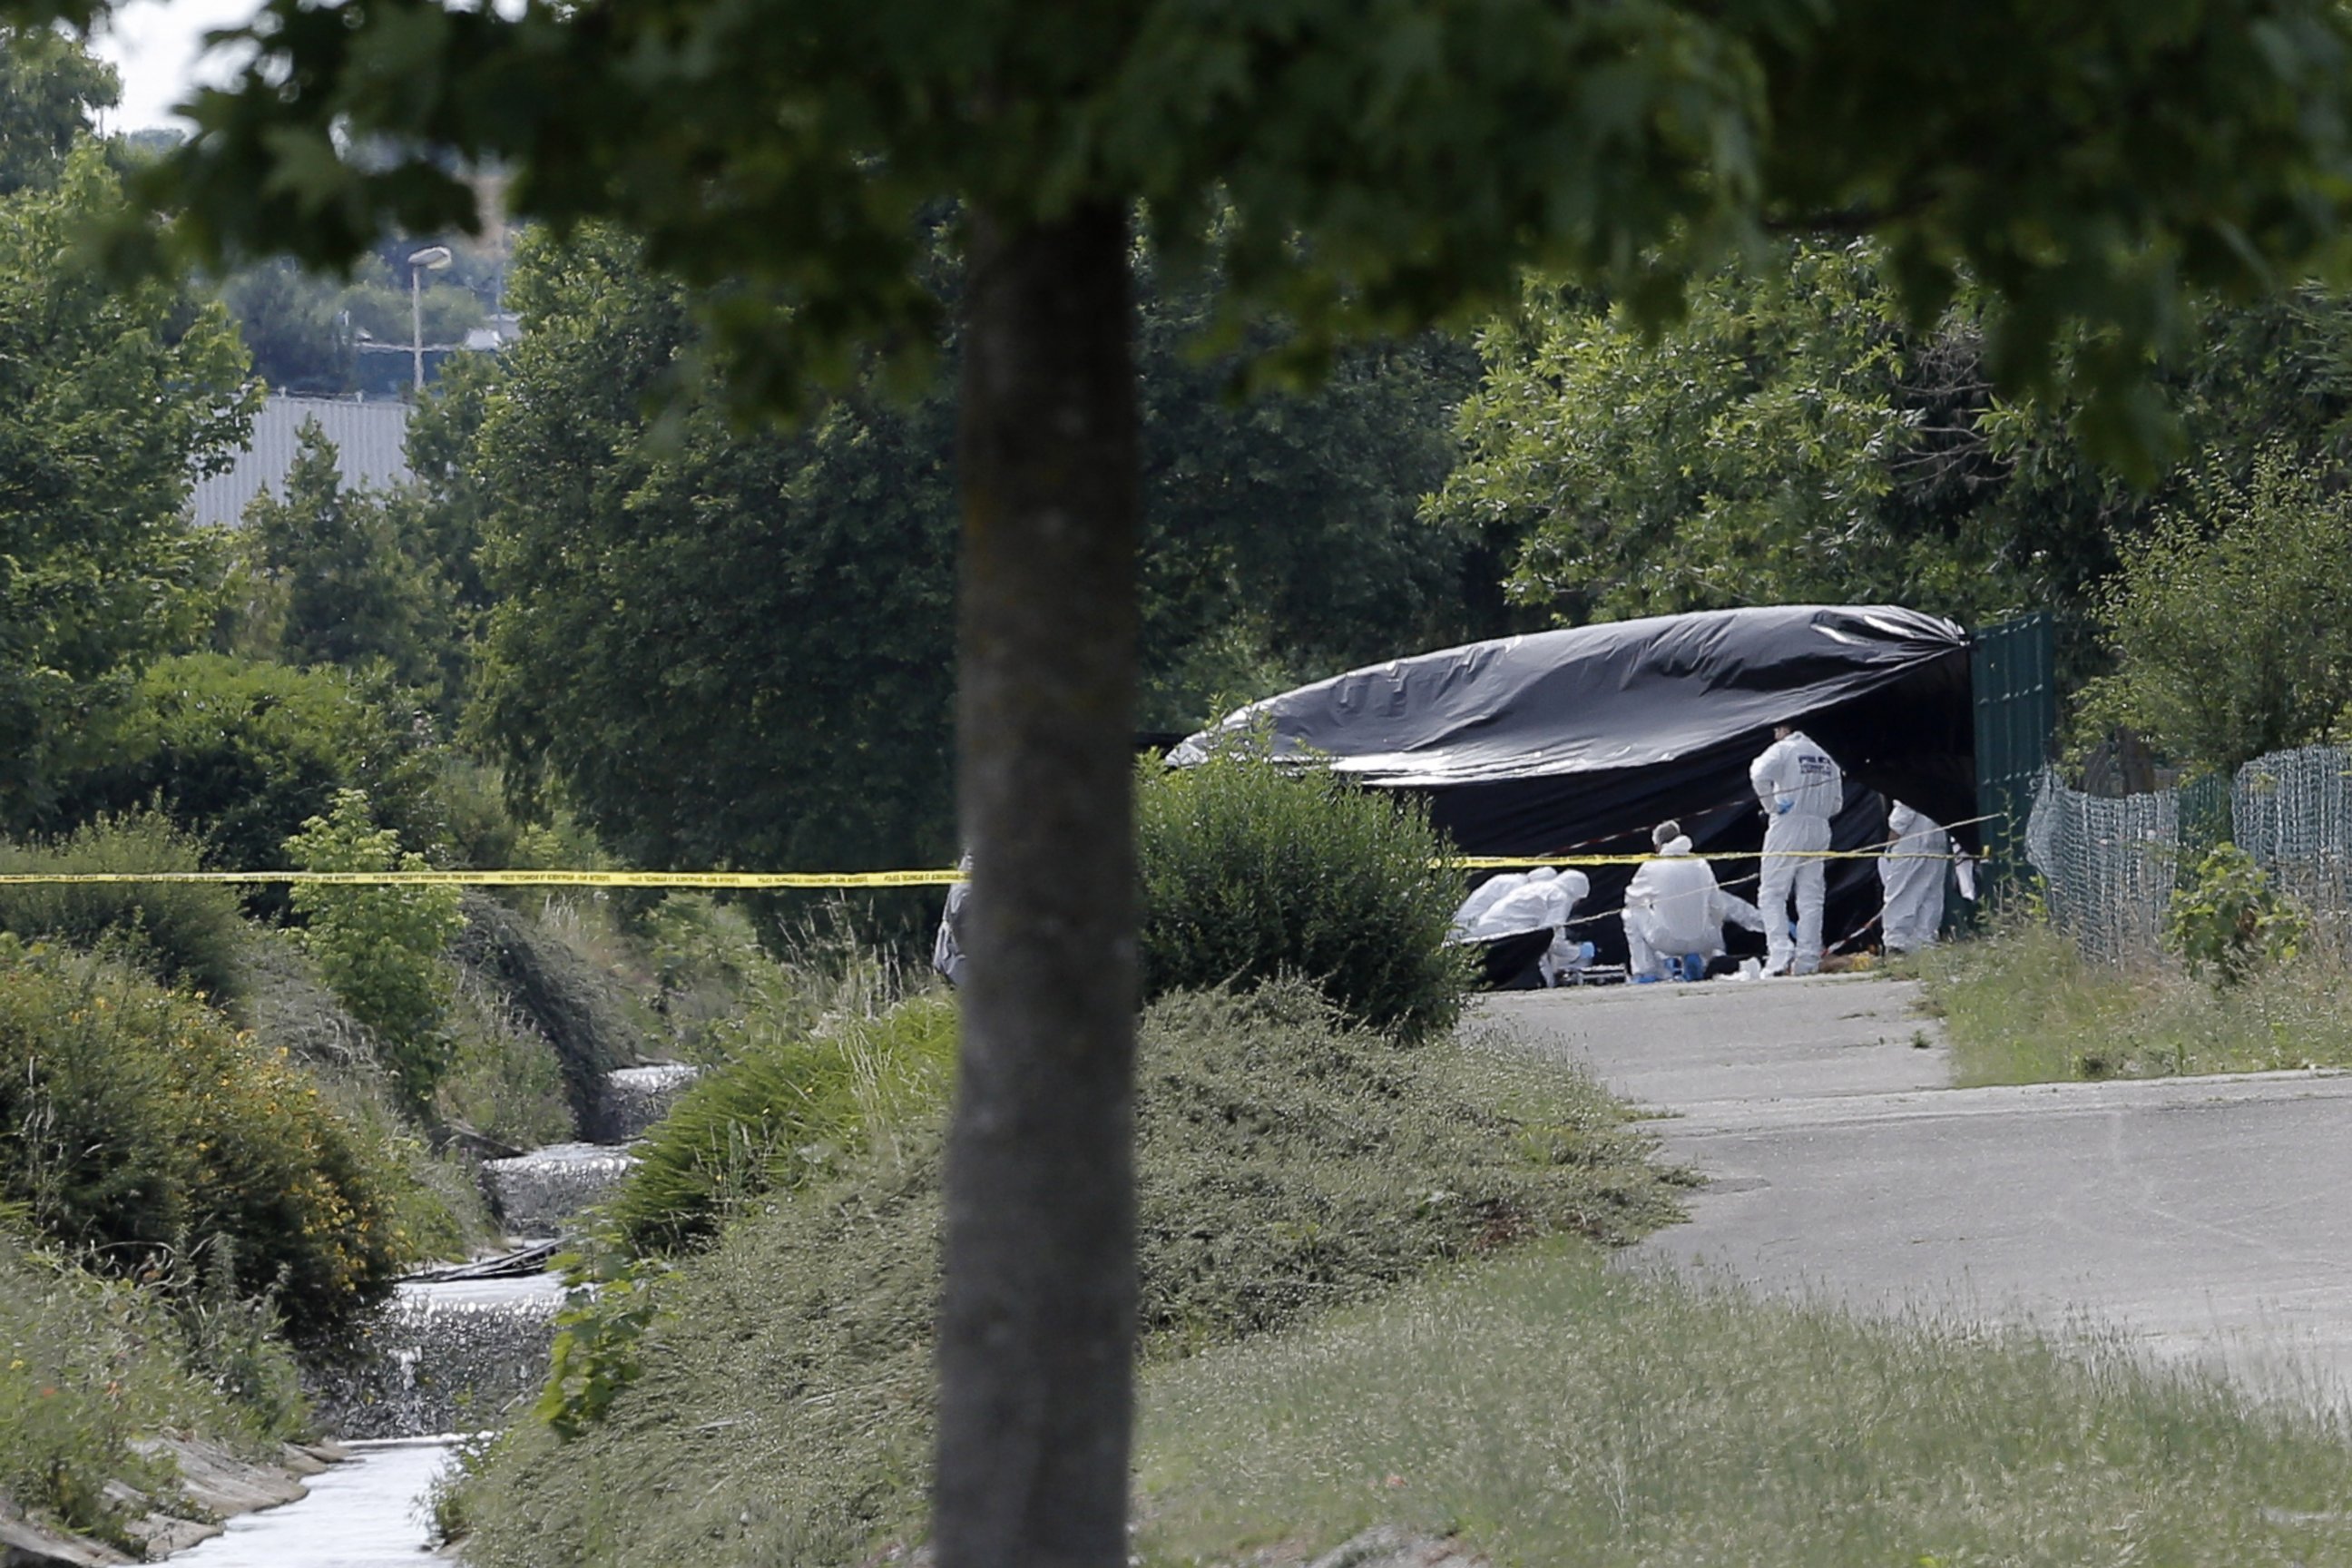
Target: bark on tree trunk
[1037,1321]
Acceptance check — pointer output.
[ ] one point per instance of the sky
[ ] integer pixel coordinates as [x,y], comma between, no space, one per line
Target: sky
[156,45]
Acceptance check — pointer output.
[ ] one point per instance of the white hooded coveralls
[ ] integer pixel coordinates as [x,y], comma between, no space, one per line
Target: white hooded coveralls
[1544,898]
[1913,888]
[1483,897]
[1547,899]
[1672,906]
[1800,789]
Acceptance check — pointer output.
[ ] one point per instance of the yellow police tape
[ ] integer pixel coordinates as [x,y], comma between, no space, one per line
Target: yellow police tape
[737,879]
[772,881]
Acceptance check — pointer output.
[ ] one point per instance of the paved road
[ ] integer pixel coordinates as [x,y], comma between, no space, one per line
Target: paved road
[2203,1218]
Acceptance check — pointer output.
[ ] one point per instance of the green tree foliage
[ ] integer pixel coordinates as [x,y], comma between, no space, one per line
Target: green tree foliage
[1251,871]
[380,947]
[142,1125]
[1795,437]
[2232,621]
[293,324]
[753,661]
[111,401]
[349,575]
[1281,539]
[1792,438]
[50,85]
[240,753]
[731,651]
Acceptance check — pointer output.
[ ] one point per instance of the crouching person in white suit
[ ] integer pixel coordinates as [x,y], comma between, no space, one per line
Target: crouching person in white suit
[1543,899]
[1675,913]
[1911,876]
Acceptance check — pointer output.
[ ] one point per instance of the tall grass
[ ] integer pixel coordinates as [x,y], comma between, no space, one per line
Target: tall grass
[2023,1005]
[1552,1411]
[86,1367]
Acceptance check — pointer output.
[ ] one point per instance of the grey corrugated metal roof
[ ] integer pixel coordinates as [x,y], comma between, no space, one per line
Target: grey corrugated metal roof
[370,448]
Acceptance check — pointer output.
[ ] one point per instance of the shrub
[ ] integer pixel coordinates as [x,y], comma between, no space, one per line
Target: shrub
[2230,619]
[379,947]
[793,1107]
[186,934]
[136,1125]
[2230,920]
[1250,871]
[241,753]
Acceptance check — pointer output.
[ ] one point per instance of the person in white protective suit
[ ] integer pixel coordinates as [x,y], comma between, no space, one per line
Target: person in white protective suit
[1675,913]
[1545,900]
[1483,897]
[1912,882]
[1800,789]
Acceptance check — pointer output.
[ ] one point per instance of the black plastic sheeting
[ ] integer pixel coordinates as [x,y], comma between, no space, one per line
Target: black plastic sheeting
[1578,741]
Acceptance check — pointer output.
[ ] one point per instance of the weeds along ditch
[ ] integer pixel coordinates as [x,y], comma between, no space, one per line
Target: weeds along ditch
[2022,1004]
[768,1398]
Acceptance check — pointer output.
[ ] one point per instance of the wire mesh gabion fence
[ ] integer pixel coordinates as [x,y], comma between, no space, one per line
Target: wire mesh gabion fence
[2293,816]
[2109,865]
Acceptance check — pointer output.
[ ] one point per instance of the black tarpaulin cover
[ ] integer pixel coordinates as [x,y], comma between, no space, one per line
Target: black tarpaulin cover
[1578,741]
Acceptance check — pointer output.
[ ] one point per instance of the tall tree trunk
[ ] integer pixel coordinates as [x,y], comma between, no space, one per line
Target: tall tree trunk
[1037,1323]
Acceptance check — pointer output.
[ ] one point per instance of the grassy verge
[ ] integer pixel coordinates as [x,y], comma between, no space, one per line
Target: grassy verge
[2023,1005]
[1550,1411]
[780,1410]
[86,1367]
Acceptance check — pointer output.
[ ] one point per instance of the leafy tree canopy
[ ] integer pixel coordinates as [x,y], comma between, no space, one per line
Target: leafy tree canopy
[736,645]
[49,86]
[2084,163]
[1792,438]
[732,650]
[112,400]
[2232,621]
[348,577]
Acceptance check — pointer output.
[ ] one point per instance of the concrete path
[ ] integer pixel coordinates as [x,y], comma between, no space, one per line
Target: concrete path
[2208,1219]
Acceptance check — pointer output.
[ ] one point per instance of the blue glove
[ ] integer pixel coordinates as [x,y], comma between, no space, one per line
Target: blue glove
[1782,809]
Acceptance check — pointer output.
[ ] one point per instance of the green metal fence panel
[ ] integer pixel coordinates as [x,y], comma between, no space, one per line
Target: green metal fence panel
[2012,672]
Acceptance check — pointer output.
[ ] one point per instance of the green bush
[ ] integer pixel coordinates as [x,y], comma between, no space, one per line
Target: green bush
[379,948]
[2229,920]
[137,1126]
[241,753]
[793,1107]
[186,934]
[1287,1163]
[1250,871]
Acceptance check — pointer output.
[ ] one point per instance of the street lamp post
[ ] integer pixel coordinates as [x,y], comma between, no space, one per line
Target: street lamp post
[432,259]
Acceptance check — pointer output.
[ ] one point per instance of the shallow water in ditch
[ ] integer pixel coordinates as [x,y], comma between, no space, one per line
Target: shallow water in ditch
[366,1513]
